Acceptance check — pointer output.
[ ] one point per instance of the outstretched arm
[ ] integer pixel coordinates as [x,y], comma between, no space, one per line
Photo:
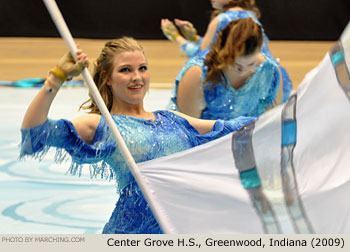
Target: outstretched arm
[188,30]
[171,32]
[38,110]
[216,127]
[202,126]
[190,33]
[209,34]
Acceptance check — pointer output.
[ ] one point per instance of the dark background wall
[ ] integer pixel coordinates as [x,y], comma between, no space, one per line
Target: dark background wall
[282,19]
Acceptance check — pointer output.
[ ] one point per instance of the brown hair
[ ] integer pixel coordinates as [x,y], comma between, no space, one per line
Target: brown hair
[244,4]
[103,68]
[241,37]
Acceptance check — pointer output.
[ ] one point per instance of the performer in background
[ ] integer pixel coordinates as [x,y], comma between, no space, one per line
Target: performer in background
[224,12]
[232,78]
[122,77]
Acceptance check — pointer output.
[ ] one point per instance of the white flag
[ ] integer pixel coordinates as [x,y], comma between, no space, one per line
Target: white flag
[288,172]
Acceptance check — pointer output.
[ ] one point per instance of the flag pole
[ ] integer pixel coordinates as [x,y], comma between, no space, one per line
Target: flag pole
[62,27]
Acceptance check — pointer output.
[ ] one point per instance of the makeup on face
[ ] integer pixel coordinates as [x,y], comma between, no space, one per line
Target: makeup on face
[244,64]
[130,77]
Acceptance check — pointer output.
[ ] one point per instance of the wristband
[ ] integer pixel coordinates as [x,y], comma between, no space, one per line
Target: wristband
[194,38]
[58,72]
[174,36]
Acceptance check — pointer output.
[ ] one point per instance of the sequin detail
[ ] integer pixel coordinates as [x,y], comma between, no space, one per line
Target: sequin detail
[146,140]
[257,94]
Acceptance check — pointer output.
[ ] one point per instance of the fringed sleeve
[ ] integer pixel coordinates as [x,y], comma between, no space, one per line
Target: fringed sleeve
[61,134]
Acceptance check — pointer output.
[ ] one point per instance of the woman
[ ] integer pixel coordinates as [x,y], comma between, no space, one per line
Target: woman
[231,79]
[122,77]
[224,12]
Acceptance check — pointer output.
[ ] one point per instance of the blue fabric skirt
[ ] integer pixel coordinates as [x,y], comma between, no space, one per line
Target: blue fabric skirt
[132,214]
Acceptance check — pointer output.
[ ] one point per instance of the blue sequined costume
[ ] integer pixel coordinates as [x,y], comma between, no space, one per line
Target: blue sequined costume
[252,99]
[192,49]
[146,140]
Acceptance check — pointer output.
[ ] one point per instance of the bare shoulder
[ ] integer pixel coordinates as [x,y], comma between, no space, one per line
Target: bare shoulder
[193,73]
[91,120]
[202,126]
[189,92]
[86,126]
[195,69]
[191,81]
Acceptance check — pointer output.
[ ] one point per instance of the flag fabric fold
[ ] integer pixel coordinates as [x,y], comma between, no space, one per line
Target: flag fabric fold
[287,172]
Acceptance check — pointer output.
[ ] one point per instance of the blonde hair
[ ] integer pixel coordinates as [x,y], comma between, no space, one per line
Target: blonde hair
[241,37]
[103,68]
[244,4]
